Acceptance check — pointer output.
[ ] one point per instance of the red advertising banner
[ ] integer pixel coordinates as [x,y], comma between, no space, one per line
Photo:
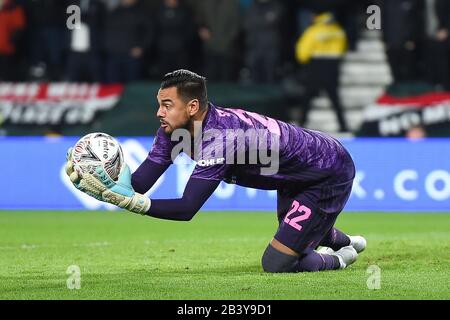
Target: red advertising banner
[394,116]
[55,103]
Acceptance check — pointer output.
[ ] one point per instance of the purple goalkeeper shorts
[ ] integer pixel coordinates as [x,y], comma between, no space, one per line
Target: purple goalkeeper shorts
[305,217]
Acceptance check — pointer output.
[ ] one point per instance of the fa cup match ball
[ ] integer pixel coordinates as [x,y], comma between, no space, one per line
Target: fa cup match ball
[98,150]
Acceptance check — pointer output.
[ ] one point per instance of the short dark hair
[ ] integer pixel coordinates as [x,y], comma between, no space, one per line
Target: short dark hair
[189,85]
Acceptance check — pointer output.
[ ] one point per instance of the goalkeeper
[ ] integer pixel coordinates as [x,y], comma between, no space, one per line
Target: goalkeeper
[311,171]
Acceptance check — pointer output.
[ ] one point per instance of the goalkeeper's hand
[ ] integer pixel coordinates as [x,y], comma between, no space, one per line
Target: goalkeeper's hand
[101,187]
[75,178]
[119,193]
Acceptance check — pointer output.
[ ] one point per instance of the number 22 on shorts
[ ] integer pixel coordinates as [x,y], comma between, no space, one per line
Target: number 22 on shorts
[296,207]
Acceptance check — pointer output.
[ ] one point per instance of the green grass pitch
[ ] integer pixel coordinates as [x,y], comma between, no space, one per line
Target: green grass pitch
[215,256]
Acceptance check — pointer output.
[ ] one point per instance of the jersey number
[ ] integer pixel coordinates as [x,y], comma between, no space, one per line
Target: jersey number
[305,214]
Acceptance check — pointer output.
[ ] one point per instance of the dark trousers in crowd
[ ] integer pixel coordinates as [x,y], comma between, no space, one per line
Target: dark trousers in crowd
[83,67]
[322,74]
[437,63]
[122,69]
[170,61]
[219,67]
[403,64]
[7,67]
[48,45]
[263,64]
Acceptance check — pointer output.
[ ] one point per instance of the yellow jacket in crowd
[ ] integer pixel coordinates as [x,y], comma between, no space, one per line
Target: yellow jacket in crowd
[323,39]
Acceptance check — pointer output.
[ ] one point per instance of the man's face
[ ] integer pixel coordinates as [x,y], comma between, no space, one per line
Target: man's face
[173,113]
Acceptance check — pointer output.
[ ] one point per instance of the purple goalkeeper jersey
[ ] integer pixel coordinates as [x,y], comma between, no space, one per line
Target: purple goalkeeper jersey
[283,156]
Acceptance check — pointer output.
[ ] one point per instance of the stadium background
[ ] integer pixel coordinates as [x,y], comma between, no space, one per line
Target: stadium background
[393,90]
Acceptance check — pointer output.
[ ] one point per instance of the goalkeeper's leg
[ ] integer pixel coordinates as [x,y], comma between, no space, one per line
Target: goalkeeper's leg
[302,227]
[336,239]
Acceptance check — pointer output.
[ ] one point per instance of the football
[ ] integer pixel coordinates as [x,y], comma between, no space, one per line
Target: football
[98,149]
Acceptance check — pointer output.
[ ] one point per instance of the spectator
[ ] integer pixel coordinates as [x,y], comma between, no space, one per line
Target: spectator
[128,33]
[320,50]
[176,30]
[219,30]
[262,25]
[348,14]
[83,62]
[401,33]
[437,25]
[12,23]
[47,37]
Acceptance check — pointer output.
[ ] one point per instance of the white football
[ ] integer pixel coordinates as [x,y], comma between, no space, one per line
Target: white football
[98,149]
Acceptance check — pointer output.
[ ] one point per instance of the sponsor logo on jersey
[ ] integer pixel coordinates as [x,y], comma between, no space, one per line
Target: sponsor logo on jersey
[210,162]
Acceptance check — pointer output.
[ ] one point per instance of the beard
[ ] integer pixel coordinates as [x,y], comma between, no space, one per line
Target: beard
[168,129]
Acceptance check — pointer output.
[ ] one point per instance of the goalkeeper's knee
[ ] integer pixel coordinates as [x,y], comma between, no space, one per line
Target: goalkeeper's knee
[277,261]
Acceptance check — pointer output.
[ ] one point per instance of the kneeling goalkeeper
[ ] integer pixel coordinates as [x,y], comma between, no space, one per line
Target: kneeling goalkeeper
[311,171]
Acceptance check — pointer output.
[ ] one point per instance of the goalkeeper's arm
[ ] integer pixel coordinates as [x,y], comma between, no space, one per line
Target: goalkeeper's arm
[122,194]
[195,194]
[146,175]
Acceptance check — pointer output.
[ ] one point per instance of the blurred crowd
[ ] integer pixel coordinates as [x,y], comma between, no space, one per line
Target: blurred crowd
[129,40]
[416,35]
[227,40]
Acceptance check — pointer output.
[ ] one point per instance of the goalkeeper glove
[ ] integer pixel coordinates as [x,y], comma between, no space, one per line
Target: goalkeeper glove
[75,178]
[119,193]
